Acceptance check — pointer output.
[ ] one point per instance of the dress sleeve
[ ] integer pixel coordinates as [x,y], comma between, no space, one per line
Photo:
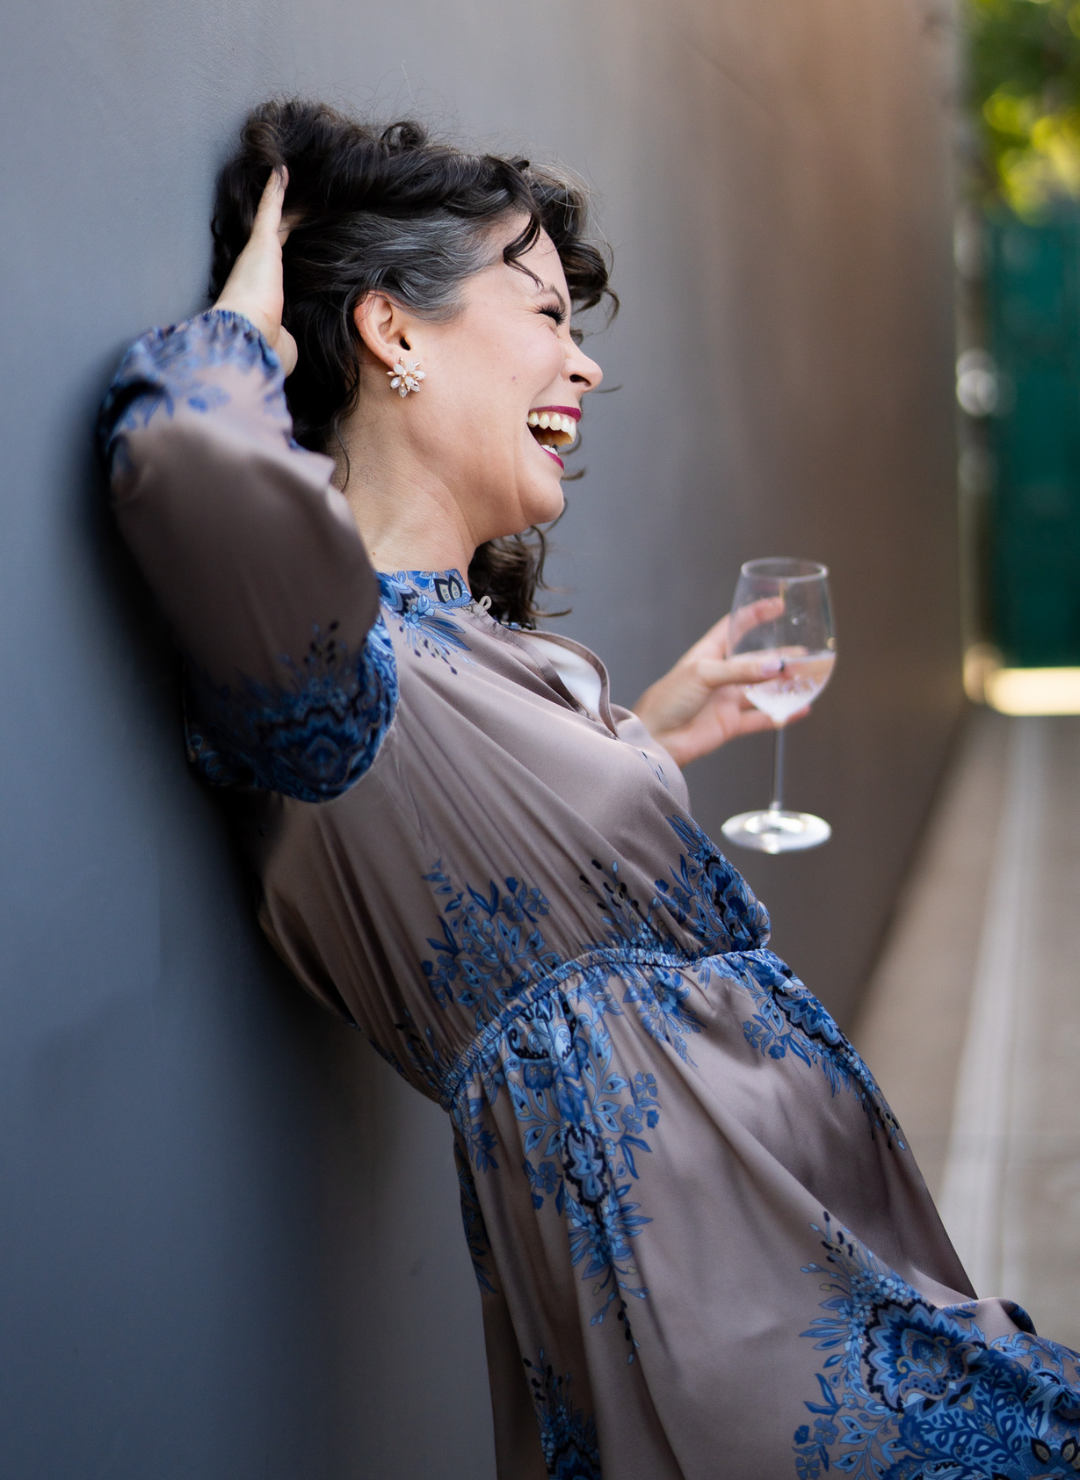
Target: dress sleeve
[255,559]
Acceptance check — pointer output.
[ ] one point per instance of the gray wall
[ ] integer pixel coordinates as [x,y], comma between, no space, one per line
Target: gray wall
[228,1238]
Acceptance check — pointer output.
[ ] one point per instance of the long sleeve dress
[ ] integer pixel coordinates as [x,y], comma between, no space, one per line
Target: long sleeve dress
[702,1247]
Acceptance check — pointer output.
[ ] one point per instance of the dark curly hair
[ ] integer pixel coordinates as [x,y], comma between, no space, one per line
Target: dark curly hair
[387,207]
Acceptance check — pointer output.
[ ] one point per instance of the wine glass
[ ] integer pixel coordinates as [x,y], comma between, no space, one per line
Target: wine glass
[782,607]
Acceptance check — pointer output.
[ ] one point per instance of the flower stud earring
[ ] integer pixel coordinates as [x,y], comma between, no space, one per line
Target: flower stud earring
[405,377]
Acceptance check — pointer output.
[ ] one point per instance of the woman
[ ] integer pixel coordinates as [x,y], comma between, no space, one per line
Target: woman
[702,1247]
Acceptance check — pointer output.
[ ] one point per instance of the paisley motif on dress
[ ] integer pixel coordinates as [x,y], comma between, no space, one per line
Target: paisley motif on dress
[316,733]
[913,1391]
[415,601]
[567,1436]
[709,897]
[313,735]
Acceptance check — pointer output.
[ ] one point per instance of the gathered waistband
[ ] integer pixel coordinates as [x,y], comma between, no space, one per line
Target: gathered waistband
[464,1065]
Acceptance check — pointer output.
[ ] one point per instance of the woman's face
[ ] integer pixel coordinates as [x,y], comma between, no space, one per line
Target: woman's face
[494,374]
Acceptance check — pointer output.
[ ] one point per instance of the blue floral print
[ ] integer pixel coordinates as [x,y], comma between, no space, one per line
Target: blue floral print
[567,1436]
[709,897]
[311,736]
[318,732]
[583,1124]
[472,1219]
[653,979]
[542,1038]
[441,587]
[414,601]
[491,949]
[169,367]
[791,1019]
[911,1391]
[584,1127]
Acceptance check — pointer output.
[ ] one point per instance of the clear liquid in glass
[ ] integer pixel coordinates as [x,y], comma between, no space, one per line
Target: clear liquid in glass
[800,683]
[782,608]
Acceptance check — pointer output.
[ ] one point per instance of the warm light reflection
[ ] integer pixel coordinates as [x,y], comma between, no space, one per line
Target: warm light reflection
[1033,690]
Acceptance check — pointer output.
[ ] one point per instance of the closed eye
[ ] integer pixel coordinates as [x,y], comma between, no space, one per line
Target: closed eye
[556,314]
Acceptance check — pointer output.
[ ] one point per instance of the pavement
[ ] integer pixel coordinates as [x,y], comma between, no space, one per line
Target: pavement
[971,1022]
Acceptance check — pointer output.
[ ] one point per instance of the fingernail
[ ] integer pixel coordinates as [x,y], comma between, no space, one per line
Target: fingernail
[770,667]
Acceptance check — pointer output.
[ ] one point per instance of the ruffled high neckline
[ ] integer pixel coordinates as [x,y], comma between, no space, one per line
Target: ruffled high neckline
[446,588]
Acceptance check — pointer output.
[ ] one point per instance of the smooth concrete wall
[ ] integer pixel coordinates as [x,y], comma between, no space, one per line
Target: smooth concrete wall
[228,1237]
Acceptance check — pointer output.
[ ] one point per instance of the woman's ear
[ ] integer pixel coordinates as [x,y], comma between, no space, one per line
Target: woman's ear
[384,327]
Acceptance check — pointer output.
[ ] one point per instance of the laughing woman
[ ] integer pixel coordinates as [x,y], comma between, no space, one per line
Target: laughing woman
[702,1246]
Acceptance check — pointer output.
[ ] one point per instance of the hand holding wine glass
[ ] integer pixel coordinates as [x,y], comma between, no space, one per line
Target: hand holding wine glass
[800,634]
[703,701]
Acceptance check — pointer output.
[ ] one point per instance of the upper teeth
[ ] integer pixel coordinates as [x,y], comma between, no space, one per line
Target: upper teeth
[553,421]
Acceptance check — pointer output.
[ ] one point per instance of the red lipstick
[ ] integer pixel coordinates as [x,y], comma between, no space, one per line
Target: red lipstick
[574,411]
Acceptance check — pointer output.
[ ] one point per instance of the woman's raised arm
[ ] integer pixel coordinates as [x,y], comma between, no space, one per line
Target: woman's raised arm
[252,553]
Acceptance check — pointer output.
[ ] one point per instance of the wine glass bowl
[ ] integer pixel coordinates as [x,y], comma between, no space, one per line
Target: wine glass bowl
[782,608]
[800,681]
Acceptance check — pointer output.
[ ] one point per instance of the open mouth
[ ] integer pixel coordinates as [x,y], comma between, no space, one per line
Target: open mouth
[554,426]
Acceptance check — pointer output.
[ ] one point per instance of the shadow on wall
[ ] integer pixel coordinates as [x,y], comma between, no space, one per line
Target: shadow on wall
[231,1240]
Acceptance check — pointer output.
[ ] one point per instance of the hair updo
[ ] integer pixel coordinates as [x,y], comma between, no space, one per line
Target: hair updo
[387,208]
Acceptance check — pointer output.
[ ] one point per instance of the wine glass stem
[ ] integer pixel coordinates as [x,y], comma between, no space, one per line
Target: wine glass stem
[777,803]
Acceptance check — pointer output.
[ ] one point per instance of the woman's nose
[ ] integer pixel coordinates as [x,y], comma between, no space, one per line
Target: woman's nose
[584,372]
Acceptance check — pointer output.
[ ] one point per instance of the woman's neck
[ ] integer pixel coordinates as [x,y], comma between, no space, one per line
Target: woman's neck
[407,518]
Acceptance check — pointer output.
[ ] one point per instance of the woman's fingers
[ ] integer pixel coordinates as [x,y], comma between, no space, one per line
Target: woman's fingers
[706,699]
[255,287]
[749,668]
[722,636]
[749,617]
[268,213]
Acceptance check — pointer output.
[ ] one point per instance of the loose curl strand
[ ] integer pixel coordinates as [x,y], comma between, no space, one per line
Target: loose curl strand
[389,209]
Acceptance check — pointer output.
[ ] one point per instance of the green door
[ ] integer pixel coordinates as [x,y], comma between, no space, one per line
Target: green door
[1033,310]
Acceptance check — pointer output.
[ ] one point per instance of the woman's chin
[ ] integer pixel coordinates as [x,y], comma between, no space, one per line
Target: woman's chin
[542,501]
[539,500]
[543,511]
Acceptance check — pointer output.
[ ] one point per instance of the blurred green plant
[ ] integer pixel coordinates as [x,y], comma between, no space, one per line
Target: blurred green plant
[1023,86]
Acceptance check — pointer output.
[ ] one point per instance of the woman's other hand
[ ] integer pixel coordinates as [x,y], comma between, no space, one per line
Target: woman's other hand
[701,703]
[254,287]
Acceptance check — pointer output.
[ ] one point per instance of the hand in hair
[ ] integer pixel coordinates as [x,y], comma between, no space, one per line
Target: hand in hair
[701,703]
[254,286]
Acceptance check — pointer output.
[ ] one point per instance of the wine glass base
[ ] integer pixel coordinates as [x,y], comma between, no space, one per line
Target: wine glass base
[776,831]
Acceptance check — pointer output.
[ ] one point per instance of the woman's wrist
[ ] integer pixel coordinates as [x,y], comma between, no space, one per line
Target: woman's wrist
[242,310]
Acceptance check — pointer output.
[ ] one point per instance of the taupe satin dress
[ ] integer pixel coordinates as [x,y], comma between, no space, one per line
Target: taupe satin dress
[702,1247]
